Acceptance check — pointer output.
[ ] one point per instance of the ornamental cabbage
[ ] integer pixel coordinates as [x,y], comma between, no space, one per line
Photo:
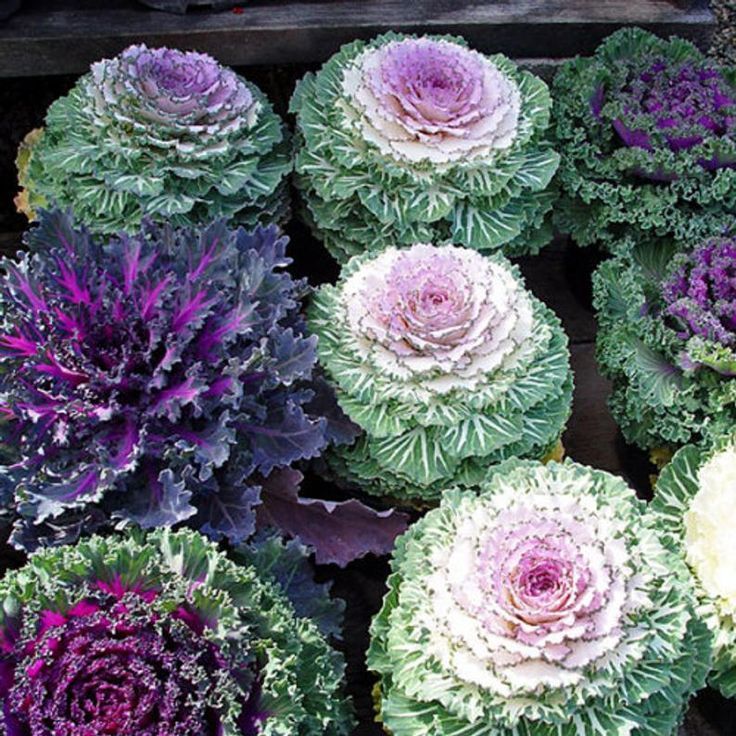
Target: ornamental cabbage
[666,339]
[445,361]
[159,133]
[157,635]
[647,133]
[420,139]
[543,604]
[154,378]
[695,500]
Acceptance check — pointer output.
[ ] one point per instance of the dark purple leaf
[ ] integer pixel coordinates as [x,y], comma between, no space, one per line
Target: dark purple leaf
[288,435]
[338,531]
[228,514]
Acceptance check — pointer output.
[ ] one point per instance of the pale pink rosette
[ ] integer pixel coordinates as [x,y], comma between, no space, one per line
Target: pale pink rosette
[543,602]
[543,591]
[172,96]
[439,312]
[435,100]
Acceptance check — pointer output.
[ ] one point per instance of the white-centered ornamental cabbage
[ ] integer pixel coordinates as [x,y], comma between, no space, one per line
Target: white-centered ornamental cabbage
[158,133]
[446,362]
[544,604]
[695,502]
[407,139]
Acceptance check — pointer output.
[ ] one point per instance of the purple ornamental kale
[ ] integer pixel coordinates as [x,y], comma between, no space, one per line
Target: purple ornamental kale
[701,295]
[672,105]
[118,669]
[154,379]
[161,634]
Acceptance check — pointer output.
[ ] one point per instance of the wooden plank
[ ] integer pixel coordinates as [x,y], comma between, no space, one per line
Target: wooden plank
[65,36]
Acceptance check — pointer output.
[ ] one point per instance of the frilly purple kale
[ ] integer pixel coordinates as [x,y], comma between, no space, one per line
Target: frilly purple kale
[647,132]
[163,634]
[673,105]
[701,294]
[153,379]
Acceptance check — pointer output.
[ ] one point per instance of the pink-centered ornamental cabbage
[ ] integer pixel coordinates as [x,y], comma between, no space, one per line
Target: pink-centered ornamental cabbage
[447,363]
[160,133]
[441,311]
[411,139]
[544,603]
[426,99]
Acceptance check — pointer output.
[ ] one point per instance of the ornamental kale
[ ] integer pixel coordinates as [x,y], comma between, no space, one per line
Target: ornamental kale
[158,133]
[446,362]
[647,133]
[695,504]
[158,635]
[544,604]
[665,338]
[405,140]
[154,378]
[701,295]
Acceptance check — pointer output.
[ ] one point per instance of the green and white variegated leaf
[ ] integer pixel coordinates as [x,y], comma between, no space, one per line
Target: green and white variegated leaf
[486,229]
[537,169]
[481,434]
[381,420]
[657,378]
[138,185]
[167,205]
[415,454]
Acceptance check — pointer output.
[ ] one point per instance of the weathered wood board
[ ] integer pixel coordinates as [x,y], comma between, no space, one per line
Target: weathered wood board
[65,36]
